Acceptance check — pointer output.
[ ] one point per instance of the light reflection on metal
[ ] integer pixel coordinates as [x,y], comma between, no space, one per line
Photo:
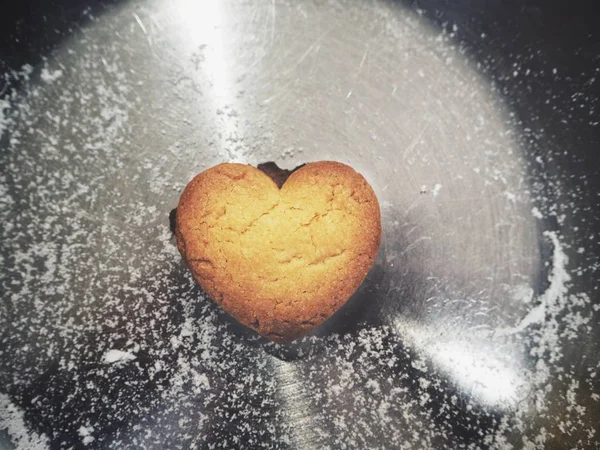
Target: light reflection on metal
[481,368]
[205,26]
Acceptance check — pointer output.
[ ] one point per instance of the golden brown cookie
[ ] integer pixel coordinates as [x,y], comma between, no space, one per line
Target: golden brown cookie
[281,261]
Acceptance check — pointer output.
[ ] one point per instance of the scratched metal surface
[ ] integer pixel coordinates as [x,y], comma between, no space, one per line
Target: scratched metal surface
[441,347]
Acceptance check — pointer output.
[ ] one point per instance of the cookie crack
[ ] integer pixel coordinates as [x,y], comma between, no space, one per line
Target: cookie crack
[202,261]
[312,219]
[253,222]
[326,258]
[268,280]
[290,259]
[237,177]
[312,239]
[223,212]
[327,211]
[311,321]
[321,216]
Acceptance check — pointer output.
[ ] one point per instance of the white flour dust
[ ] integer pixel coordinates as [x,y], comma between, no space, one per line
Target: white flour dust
[117,356]
[554,299]
[12,420]
[107,342]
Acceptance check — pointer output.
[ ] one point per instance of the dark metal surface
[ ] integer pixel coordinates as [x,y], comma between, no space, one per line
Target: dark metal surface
[478,129]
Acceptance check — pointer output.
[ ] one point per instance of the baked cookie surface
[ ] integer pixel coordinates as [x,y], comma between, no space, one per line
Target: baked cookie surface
[280,261]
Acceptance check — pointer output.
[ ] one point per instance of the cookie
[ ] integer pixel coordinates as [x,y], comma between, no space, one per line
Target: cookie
[279,260]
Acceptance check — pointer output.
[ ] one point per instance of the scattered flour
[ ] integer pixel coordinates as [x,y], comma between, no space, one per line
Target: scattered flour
[12,420]
[554,299]
[50,76]
[536,213]
[86,434]
[117,356]
[89,267]
[4,105]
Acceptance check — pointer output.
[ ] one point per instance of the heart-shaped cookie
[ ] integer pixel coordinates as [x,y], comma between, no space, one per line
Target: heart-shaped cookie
[281,261]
